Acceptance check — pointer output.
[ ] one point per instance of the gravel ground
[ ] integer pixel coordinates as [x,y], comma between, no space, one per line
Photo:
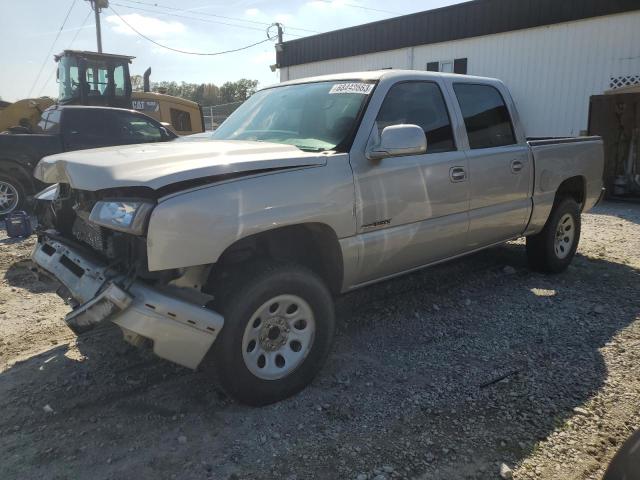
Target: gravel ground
[447,373]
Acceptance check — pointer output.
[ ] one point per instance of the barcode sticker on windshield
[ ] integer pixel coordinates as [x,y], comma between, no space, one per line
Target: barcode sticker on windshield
[364,88]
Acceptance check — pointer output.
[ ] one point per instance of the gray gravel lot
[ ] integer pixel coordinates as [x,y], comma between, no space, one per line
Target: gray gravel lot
[446,373]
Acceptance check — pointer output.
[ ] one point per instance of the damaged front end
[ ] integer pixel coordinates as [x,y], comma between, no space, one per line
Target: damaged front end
[104,276]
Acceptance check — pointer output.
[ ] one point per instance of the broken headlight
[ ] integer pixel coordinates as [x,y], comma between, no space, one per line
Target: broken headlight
[124,216]
[49,194]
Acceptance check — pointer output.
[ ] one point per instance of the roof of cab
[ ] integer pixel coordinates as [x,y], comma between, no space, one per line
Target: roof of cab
[374,75]
[86,53]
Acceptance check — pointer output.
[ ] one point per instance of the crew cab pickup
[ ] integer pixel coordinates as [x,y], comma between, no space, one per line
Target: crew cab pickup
[63,129]
[311,188]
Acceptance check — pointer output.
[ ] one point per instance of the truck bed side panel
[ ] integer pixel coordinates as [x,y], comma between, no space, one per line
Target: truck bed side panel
[28,149]
[557,160]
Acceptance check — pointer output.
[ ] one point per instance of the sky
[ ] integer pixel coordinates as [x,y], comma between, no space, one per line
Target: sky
[31,35]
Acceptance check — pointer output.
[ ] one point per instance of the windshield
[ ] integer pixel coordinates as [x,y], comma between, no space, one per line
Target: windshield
[69,79]
[96,78]
[311,116]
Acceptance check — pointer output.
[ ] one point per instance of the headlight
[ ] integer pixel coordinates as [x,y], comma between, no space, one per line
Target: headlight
[49,194]
[125,216]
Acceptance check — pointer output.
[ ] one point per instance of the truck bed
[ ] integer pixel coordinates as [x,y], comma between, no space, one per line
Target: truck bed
[28,147]
[557,159]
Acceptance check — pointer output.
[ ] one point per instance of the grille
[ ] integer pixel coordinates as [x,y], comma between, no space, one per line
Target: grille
[90,234]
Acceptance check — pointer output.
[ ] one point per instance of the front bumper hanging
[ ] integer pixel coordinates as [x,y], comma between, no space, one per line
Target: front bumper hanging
[181,331]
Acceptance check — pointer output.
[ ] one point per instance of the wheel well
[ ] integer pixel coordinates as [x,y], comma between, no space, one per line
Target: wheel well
[17,171]
[573,187]
[313,245]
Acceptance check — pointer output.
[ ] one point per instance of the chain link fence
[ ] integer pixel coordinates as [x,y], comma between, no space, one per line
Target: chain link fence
[216,114]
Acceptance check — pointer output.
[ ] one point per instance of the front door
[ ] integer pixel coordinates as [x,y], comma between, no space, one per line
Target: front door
[500,169]
[411,210]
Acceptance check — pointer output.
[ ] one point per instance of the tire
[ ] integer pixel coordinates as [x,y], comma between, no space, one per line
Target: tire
[549,251]
[265,354]
[12,195]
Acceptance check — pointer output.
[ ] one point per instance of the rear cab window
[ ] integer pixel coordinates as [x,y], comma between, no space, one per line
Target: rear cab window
[486,116]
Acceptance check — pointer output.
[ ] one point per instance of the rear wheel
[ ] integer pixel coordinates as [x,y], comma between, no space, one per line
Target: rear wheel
[278,329]
[553,248]
[12,195]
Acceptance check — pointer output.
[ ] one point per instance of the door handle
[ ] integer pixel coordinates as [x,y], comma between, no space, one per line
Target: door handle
[457,174]
[516,166]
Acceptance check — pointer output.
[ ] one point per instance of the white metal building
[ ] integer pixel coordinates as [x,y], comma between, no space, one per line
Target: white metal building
[552,54]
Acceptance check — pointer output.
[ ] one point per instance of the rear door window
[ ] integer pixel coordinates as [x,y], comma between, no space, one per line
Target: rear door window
[422,104]
[86,128]
[486,116]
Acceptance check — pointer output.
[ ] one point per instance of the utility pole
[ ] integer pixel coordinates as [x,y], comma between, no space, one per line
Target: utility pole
[279,46]
[98,5]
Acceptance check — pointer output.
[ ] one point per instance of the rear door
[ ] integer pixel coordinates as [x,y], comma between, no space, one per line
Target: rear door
[85,128]
[500,167]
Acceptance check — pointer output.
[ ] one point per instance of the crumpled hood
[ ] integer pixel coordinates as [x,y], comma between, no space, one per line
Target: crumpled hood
[156,165]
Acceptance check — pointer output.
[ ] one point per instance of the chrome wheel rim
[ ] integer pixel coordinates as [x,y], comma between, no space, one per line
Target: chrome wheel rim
[9,197]
[278,337]
[565,235]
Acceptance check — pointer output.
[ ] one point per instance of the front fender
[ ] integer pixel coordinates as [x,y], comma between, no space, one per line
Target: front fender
[196,226]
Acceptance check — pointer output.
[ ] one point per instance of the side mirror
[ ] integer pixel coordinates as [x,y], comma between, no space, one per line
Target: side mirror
[398,140]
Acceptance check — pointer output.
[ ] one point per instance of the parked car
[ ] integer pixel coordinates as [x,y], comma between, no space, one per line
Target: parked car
[310,189]
[63,129]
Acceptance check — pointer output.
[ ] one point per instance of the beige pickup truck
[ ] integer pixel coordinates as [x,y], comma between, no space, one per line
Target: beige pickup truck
[227,252]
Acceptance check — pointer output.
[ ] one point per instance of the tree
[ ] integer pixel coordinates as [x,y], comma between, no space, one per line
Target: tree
[208,94]
[238,91]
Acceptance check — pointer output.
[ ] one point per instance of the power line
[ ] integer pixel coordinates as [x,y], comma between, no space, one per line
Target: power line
[80,29]
[69,47]
[191,11]
[353,5]
[185,51]
[51,48]
[246,27]
[184,16]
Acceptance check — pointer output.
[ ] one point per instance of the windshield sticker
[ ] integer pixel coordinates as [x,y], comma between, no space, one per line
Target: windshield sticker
[364,88]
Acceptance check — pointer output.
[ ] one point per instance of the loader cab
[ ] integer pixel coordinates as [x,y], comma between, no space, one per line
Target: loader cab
[97,79]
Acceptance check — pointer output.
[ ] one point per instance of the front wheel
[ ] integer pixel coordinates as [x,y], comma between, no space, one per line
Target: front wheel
[553,248]
[12,195]
[278,329]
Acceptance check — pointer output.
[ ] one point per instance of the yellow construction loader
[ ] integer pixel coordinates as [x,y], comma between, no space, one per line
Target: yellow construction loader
[23,113]
[102,79]
[91,78]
